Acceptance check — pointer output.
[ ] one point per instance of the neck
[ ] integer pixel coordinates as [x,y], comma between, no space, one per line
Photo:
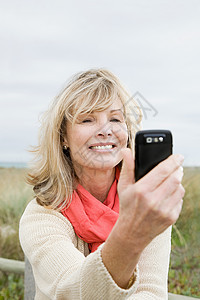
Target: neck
[97,182]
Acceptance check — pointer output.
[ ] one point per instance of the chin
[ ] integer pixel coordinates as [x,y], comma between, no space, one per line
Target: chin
[105,165]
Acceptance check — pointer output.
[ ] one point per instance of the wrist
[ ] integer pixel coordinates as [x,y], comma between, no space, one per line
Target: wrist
[127,235]
[120,257]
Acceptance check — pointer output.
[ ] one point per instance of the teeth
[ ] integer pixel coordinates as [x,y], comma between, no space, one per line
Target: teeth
[102,147]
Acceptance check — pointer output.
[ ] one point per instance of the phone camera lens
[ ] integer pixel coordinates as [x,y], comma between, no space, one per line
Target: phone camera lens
[149,140]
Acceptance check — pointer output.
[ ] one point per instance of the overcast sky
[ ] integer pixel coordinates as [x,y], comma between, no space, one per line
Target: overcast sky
[153,46]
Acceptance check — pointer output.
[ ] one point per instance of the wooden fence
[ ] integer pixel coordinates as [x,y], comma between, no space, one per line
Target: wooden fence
[11,265]
[21,267]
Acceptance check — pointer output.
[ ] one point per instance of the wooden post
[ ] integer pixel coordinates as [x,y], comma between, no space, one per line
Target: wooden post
[29,282]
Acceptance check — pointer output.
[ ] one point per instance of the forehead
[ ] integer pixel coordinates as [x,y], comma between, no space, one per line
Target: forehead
[115,105]
[86,108]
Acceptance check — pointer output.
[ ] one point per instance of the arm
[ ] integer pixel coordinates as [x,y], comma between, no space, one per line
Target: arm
[147,209]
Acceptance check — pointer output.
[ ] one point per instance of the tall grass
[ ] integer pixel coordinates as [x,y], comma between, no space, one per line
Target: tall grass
[184,273]
[14,196]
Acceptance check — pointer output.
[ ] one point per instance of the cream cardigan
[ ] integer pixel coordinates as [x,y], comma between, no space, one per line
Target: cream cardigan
[64,269]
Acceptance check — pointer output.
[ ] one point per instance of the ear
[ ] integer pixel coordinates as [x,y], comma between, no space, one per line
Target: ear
[65,143]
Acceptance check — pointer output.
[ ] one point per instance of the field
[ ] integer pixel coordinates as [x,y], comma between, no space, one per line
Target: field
[184,271]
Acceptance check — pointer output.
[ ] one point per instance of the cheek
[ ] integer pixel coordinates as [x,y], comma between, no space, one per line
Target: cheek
[79,137]
[122,134]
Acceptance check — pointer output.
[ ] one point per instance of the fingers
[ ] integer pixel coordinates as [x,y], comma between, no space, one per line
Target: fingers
[162,171]
[176,212]
[167,199]
[127,171]
[170,185]
[174,205]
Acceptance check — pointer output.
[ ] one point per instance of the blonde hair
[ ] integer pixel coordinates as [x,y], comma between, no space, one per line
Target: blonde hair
[52,174]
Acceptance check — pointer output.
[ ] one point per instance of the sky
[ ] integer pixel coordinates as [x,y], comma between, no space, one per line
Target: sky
[153,46]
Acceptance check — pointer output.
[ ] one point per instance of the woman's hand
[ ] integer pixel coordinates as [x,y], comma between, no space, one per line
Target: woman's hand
[153,203]
[147,208]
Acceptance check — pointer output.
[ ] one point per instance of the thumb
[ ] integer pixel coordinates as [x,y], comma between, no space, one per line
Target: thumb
[127,172]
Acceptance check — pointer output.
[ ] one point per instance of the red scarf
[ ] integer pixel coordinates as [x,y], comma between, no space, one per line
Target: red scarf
[93,220]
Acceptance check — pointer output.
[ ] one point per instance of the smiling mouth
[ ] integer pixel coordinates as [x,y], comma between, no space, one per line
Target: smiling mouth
[102,147]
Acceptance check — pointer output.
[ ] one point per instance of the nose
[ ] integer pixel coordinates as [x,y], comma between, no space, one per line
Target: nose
[104,131]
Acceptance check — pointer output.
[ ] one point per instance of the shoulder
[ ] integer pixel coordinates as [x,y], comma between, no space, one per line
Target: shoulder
[35,210]
[40,221]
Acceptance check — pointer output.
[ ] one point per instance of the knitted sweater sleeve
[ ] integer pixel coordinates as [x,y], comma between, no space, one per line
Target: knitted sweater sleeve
[153,269]
[61,271]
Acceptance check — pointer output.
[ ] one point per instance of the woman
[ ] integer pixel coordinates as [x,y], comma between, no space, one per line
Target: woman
[92,232]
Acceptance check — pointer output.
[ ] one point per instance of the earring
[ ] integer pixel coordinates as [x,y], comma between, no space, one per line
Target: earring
[65,147]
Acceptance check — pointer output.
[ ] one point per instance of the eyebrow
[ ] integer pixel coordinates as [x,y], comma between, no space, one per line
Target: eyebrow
[111,111]
[119,109]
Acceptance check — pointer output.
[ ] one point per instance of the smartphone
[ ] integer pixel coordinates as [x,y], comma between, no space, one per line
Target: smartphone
[151,147]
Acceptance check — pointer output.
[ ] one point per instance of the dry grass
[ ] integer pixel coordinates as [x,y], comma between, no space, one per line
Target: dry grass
[14,195]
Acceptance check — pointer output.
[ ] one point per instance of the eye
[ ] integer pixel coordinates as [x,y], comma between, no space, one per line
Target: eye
[87,121]
[115,120]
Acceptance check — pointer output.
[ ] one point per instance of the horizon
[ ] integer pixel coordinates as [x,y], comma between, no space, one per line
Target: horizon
[11,164]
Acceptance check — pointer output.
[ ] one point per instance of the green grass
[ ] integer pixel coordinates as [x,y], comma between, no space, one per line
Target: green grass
[184,274]
[11,287]
[184,270]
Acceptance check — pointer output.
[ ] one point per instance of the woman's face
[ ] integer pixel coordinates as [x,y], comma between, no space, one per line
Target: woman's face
[95,140]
